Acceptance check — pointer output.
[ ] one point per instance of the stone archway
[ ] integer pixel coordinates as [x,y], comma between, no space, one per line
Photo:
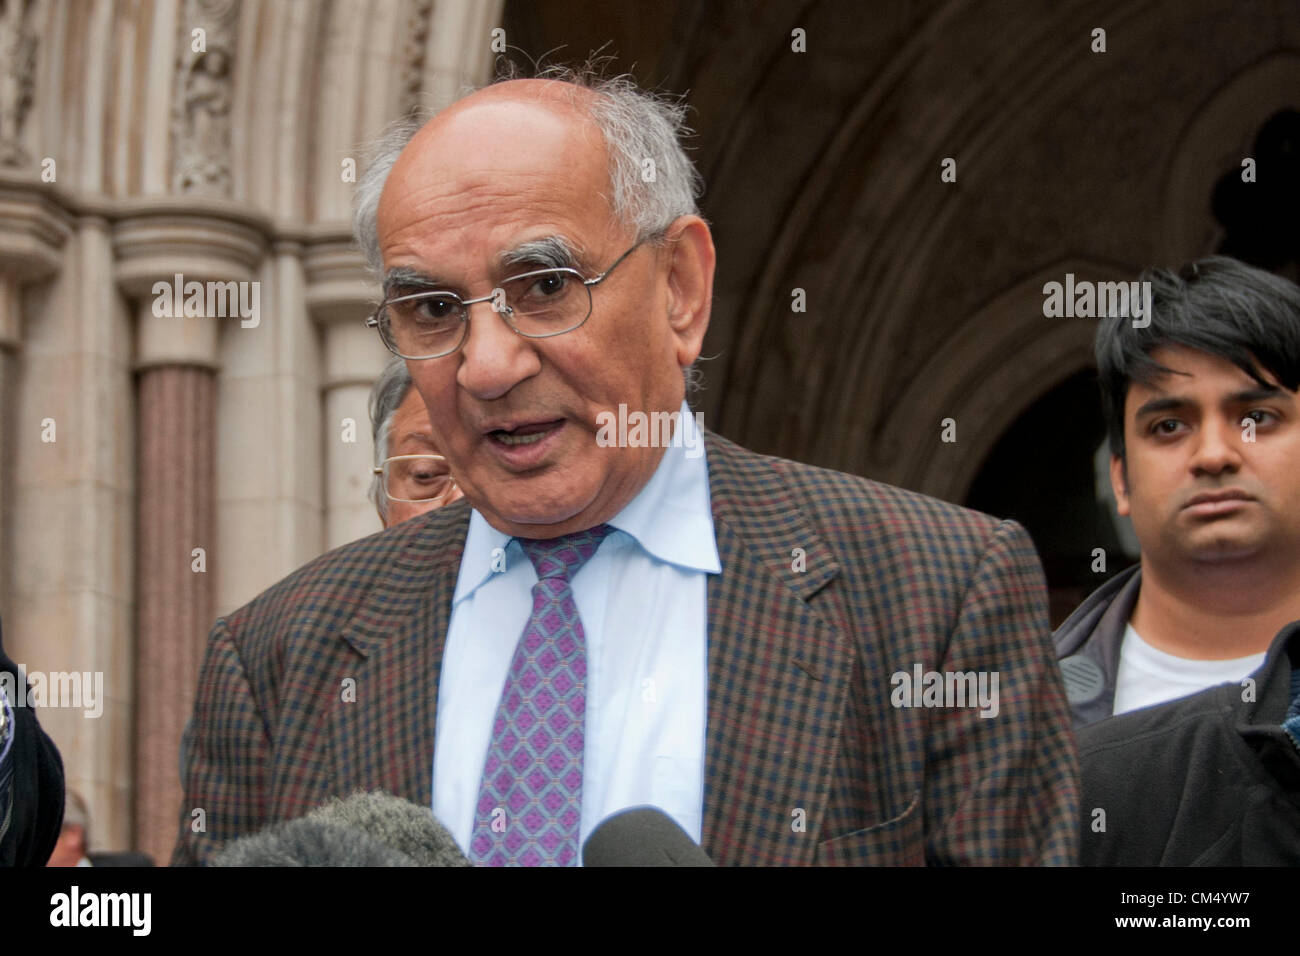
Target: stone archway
[1216,137]
[997,364]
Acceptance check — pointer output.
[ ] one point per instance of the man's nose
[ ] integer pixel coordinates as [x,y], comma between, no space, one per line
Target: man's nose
[494,358]
[1219,448]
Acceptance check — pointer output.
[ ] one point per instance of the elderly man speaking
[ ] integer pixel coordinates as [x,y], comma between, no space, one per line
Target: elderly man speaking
[796,665]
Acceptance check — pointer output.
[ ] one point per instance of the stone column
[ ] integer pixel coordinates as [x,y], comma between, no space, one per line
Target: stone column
[176,416]
[10,341]
[166,258]
[270,457]
[32,233]
[340,296]
[72,583]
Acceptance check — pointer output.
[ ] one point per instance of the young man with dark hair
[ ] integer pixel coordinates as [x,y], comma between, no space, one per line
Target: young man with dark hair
[1204,431]
[1204,428]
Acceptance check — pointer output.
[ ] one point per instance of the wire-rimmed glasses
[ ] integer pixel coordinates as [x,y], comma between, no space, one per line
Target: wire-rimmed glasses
[416,478]
[537,305]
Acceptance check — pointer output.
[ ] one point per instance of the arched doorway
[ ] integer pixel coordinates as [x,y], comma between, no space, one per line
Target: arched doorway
[1044,473]
[1257,209]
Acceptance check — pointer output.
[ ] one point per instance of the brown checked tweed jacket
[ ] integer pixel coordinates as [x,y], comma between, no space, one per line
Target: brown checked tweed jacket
[807,758]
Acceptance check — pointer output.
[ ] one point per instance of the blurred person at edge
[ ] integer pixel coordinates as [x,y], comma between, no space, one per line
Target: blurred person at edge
[31,776]
[73,846]
[410,475]
[74,836]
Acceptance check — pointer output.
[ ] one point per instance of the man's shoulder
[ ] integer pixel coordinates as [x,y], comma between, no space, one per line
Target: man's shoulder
[1196,780]
[1127,758]
[1203,722]
[839,501]
[1147,767]
[339,581]
[1082,624]
[1153,731]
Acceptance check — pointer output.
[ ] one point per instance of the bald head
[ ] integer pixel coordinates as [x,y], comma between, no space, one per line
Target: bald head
[470,162]
[649,181]
[553,94]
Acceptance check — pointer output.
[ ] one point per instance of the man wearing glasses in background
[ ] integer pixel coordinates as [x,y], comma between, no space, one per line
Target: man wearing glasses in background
[410,476]
[600,625]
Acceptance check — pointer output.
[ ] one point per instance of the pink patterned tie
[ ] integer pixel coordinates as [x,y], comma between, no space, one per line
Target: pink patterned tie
[530,799]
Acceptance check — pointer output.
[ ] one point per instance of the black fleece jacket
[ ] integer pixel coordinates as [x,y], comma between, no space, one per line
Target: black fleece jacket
[1207,780]
[31,786]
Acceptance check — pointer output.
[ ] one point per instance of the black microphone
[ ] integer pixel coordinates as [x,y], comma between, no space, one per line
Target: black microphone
[641,836]
[365,829]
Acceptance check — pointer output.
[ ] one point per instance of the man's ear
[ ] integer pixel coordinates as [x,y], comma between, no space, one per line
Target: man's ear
[1119,485]
[690,263]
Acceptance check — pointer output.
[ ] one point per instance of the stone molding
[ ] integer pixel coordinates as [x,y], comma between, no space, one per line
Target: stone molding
[33,230]
[339,286]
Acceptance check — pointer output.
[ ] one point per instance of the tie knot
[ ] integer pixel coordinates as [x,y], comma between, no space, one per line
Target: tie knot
[562,557]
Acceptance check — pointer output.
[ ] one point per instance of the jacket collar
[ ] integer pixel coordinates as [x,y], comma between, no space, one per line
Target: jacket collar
[1088,644]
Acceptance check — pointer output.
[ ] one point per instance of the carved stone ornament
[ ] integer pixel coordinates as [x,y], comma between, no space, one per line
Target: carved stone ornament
[17,77]
[201,107]
[419,14]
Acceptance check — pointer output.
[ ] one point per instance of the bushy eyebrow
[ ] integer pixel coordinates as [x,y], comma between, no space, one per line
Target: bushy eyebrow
[547,252]
[1248,395]
[1175,403]
[405,277]
[1160,405]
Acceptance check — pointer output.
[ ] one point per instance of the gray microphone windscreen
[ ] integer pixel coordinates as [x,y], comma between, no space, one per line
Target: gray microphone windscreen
[307,842]
[641,836]
[365,829]
[396,823]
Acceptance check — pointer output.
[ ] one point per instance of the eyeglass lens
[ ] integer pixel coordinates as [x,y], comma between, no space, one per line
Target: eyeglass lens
[416,479]
[537,304]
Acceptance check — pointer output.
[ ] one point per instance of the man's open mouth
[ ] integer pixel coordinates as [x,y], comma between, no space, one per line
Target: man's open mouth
[525,434]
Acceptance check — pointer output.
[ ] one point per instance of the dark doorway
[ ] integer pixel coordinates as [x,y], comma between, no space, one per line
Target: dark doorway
[1259,216]
[1042,473]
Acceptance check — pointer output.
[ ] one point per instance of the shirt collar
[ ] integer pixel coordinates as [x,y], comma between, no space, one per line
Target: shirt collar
[671,517]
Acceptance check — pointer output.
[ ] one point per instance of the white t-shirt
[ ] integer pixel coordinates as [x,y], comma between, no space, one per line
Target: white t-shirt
[1149,676]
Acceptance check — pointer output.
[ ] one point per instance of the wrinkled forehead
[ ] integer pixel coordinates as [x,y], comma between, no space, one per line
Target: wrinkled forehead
[529,151]
[410,423]
[412,410]
[516,106]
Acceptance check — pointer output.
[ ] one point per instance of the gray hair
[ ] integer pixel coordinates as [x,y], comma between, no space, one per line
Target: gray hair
[642,133]
[388,392]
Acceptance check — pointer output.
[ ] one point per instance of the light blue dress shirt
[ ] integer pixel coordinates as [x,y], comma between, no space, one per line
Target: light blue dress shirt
[643,602]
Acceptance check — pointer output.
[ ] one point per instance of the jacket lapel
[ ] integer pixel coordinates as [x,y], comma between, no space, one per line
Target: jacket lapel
[777,670]
[384,740]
